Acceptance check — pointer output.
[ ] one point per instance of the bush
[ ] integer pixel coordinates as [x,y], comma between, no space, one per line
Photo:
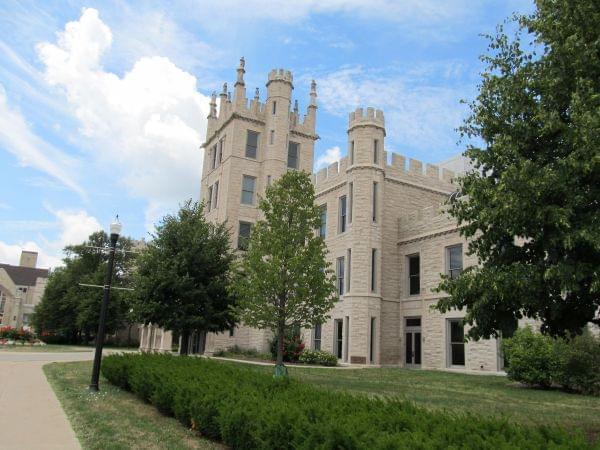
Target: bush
[17,334]
[538,360]
[243,407]
[318,357]
[532,358]
[293,346]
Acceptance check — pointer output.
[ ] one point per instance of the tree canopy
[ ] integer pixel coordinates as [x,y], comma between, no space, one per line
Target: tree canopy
[530,209]
[182,277]
[285,280]
[69,312]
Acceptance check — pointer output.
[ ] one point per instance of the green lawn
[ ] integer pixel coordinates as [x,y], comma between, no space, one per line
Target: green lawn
[480,394]
[115,419]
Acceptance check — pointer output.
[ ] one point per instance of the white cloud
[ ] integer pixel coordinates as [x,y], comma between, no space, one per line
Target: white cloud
[30,150]
[420,113]
[330,156]
[75,227]
[148,123]
[10,254]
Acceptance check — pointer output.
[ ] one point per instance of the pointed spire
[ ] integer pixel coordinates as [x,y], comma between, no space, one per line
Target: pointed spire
[229,96]
[296,106]
[213,105]
[256,94]
[313,93]
[241,71]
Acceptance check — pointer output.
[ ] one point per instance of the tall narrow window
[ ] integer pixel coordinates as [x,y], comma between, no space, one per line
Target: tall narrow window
[351,152]
[372,341]
[248,184]
[375,186]
[209,198]
[274,108]
[221,145]
[323,227]
[214,156]
[454,260]
[414,275]
[351,201]
[244,235]
[293,155]
[340,275]
[342,214]
[268,180]
[456,342]
[251,144]
[317,337]
[216,194]
[349,270]
[376,151]
[272,137]
[373,270]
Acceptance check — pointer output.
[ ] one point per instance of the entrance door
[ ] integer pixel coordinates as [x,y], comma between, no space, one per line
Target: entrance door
[198,342]
[412,342]
[339,338]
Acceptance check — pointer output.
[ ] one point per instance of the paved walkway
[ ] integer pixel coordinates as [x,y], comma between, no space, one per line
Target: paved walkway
[31,417]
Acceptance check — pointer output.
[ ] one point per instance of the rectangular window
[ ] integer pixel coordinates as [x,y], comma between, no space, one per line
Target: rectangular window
[214,156]
[268,180]
[454,261]
[216,194]
[323,227]
[372,341]
[456,342]
[351,201]
[376,151]
[272,137]
[274,107]
[373,270]
[317,337]
[340,275]
[349,269]
[251,144]
[342,214]
[339,338]
[248,184]
[375,186]
[351,152]
[244,235]
[221,145]
[209,198]
[414,275]
[293,148]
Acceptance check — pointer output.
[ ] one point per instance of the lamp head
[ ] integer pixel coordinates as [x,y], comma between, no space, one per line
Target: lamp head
[115,226]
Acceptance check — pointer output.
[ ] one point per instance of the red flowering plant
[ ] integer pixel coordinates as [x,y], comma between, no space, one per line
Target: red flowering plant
[293,346]
[16,334]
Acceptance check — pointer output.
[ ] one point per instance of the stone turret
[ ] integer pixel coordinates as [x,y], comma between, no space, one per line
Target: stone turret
[240,100]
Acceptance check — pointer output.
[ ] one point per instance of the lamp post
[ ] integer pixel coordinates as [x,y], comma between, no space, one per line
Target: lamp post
[115,230]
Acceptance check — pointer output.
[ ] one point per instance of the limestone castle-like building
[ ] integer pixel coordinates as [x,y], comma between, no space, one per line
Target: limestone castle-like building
[387,236]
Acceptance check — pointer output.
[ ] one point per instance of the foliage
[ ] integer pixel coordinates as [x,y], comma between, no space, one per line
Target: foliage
[246,408]
[285,281]
[183,275]
[293,345]
[531,209]
[235,350]
[68,312]
[538,360]
[16,334]
[318,357]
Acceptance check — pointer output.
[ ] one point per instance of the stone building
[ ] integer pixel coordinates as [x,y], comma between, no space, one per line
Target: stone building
[21,288]
[387,237]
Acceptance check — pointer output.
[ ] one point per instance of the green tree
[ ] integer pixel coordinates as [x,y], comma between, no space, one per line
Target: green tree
[531,208]
[69,312]
[182,277]
[285,281]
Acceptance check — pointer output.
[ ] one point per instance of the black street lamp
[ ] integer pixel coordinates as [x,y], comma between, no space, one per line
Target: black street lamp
[115,230]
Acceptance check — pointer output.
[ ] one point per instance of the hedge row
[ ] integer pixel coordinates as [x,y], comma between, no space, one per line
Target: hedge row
[245,408]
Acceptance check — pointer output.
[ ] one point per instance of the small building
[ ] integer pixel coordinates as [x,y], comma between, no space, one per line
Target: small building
[21,288]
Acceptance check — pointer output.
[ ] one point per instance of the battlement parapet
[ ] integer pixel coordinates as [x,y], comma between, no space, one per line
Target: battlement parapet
[330,175]
[280,75]
[427,220]
[371,116]
[428,175]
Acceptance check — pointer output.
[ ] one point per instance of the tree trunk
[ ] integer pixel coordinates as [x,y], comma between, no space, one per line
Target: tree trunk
[280,342]
[185,338]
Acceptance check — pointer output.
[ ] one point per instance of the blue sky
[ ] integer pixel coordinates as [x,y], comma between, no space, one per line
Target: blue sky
[103,104]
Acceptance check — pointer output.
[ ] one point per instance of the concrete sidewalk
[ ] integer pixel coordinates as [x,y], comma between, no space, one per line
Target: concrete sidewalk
[31,417]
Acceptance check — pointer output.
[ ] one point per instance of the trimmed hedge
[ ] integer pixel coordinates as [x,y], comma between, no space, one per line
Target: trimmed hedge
[247,409]
[318,357]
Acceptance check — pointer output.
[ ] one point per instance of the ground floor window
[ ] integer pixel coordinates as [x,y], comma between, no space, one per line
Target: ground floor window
[372,341]
[339,338]
[317,337]
[456,342]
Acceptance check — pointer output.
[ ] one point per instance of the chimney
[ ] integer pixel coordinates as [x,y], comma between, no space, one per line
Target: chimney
[28,259]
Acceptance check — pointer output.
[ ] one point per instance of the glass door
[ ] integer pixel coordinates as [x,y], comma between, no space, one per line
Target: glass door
[339,338]
[412,341]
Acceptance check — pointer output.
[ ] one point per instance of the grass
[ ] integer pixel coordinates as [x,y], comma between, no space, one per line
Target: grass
[115,419]
[479,394]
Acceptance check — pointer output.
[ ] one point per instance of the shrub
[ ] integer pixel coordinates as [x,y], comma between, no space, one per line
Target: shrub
[293,346]
[243,407]
[318,357]
[579,368]
[532,358]
[17,334]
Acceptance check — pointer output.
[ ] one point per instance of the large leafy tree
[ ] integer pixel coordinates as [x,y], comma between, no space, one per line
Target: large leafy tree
[182,277]
[531,210]
[69,312]
[285,281]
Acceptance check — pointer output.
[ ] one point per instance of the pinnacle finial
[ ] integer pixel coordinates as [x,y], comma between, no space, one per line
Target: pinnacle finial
[313,93]
[224,89]
[256,94]
[296,106]
[229,96]
[242,62]
[241,71]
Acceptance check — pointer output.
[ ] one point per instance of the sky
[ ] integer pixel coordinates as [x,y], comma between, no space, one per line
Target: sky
[103,104]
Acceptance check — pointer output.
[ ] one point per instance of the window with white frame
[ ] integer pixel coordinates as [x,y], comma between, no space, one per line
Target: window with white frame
[244,235]
[342,214]
[317,337]
[340,269]
[454,260]
[248,187]
[251,144]
[214,156]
